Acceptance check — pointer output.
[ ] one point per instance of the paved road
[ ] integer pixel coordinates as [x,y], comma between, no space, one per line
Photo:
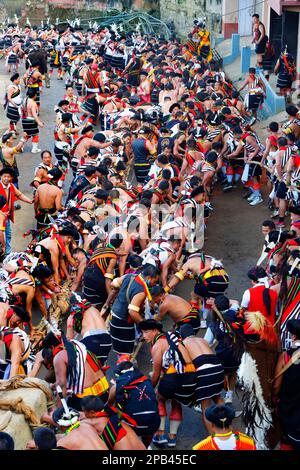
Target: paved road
[233,234]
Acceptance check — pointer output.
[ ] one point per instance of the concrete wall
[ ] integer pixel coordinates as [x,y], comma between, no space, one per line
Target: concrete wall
[230,19]
[183,12]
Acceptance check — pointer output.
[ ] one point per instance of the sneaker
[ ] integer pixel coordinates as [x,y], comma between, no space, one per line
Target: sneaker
[275,214]
[203,324]
[172,442]
[160,439]
[257,200]
[228,397]
[198,408]
[227,187]
[36,150]
[279,224]
[251,197]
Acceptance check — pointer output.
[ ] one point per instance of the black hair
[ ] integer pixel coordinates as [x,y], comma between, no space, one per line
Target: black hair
[291,137]
[220,415]
[274,126]
[199,190]
[66,117]
[163,159]
[163,185]
[7,136]
[282,141]
[157,291]
[147,194]
[134,261]
[145,202]
[151,271]
[63,103]
[31,92]
[41,271]
[44,438]
[73,211]
[291,110]
[222,302]
[47,354]
[183,126]
[269,223]
[21,313]
[293,326]
[14,77]
[99,137]
[194,181]
[90,170]
[92,403]
[256,273]
[166,174]
[211,157]
[86,129]
[45,151]
[6,441]
[116,240]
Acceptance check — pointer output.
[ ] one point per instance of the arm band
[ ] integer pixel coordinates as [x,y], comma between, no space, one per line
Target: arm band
[116,283]
[109,276]
[134,308]
[167,289]
[180,275]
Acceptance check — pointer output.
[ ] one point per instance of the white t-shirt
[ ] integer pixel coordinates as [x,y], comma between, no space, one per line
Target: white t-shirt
[228,444]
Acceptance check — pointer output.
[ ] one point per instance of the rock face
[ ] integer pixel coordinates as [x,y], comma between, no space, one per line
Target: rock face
[183,12]
[15,424]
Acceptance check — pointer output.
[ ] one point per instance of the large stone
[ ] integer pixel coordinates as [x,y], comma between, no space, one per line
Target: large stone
[17,426]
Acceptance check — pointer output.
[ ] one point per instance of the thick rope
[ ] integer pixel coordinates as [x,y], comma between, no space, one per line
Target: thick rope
[18,406]
[5,420]
[21,381]
[60,305]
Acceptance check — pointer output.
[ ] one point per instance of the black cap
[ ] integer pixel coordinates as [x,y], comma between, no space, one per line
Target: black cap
[150,325]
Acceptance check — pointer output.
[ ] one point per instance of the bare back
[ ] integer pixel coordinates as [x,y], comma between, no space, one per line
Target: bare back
[83,438]
[197,347]
[92,320]
[49,196]
[175,307]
